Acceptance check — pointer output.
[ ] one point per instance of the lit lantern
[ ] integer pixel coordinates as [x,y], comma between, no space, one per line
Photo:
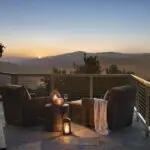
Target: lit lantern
[60,101]
[57,100]
[66,126]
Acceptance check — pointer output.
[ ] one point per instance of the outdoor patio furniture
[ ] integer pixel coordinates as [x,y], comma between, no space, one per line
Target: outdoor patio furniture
[19,108]
[75,111]
[121,101]
[53,116]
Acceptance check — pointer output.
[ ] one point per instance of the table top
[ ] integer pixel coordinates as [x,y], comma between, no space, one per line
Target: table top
[64,105]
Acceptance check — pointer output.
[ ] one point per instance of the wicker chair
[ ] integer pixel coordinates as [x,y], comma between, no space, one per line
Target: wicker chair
[19,108]
[120,108]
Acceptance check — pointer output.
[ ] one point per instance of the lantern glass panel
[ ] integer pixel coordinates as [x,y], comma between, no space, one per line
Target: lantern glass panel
[66,126]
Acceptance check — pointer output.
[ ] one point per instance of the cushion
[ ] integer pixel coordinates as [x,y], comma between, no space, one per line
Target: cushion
[13,94]
[120,106]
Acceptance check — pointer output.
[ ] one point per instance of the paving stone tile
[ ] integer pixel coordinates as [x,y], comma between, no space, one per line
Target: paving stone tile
[82,138]
[31,146]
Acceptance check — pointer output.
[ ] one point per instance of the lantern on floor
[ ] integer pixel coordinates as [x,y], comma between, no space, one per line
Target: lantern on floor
[66,126]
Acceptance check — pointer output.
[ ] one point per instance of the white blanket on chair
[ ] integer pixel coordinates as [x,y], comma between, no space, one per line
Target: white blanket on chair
[100,116]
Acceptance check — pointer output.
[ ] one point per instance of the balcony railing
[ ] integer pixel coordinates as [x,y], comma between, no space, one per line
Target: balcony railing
[78,86]
[143,102]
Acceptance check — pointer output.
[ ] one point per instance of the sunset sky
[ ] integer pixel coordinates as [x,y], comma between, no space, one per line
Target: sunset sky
[49,27]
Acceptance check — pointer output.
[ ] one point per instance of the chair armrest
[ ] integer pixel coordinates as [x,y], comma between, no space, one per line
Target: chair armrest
[33,94]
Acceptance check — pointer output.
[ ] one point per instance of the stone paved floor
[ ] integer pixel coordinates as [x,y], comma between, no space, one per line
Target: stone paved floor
[131,138]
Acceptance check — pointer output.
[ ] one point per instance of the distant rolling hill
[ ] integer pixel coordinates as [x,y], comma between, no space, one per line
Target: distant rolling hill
[27,69]
[66,60]
[8,67]
[59,61]
[13,59]
[138,63]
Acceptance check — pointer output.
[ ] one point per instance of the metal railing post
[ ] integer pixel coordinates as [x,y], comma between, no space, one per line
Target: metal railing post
[91,87]
[137,101]
[52,82]
[147,110]
[14,79]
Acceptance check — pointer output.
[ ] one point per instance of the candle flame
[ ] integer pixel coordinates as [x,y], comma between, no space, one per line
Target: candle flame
[66,128]
[55,97]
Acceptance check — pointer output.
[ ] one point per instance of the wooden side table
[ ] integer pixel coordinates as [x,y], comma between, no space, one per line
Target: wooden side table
[54,116]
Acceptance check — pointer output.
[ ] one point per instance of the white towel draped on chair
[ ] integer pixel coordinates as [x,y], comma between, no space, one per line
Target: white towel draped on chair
[100,116]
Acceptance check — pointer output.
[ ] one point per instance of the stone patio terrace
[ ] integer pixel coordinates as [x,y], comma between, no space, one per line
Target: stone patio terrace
[82,138]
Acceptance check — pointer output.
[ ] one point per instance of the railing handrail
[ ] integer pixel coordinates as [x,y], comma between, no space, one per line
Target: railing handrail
[77,75]
[6,73]
[141,80]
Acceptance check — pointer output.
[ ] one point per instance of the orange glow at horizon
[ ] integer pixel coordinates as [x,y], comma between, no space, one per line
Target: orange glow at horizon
[30,53]
[50,47]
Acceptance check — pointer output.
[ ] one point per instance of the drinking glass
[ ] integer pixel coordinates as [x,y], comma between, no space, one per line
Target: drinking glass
[65,97]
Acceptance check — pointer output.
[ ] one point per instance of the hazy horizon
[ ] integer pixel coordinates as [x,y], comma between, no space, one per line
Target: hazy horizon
[30,57]
[45,28]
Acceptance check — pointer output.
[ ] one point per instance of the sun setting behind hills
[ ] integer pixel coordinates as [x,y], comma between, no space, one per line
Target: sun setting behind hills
[54,28]
[51,34]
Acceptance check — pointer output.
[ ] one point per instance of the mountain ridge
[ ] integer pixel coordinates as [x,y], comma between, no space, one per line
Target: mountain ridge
[136,62]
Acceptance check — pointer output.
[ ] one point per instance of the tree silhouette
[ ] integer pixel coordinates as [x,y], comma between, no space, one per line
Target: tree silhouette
[63,71]
[91,65]
[113,69]
[1,49]
[59,71]
[130,72]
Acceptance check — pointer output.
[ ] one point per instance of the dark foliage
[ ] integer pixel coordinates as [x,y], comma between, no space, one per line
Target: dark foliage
[59,71]
[113,69]
[1,49]
[91,65]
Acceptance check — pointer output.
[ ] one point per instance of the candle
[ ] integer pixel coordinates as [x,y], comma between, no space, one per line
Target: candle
[66,128]
[59,101]
[55,97]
